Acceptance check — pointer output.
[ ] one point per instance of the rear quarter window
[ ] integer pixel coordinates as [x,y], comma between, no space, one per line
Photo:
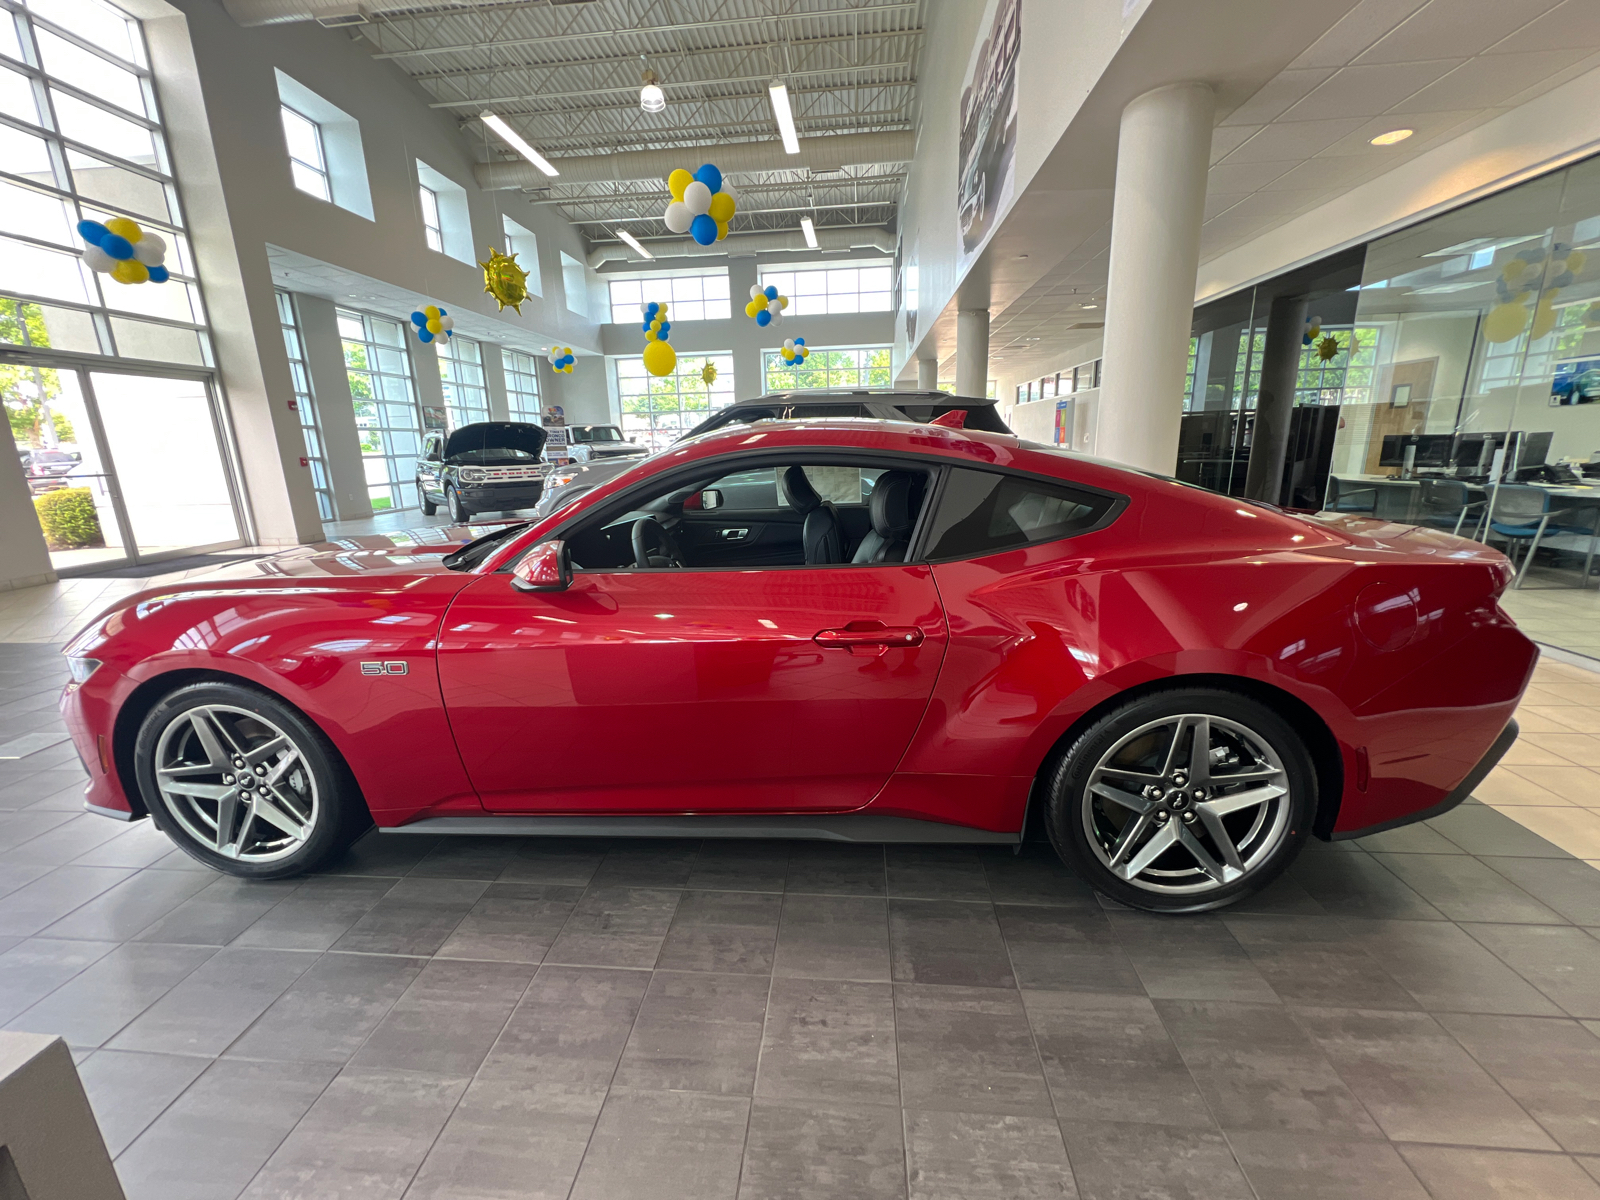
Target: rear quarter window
[981,512]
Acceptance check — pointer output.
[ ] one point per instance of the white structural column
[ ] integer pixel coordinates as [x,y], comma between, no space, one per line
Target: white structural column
[972,352]
[927,374]
[1162,156]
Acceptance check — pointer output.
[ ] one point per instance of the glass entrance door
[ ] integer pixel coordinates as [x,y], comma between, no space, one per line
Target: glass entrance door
[124,468]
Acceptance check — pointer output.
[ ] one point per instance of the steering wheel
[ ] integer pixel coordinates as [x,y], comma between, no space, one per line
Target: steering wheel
[665,552]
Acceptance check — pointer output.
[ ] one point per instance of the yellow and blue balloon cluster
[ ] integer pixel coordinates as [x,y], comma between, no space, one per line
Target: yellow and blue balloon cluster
[1312,329]
[561,359]
[766,306]
[120,249]
[701,206]
[659,357]
[432,322]
[795,350]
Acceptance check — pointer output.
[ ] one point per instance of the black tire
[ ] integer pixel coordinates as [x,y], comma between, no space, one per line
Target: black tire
[427,506]
[337,813]
[458,511]
[1128,743]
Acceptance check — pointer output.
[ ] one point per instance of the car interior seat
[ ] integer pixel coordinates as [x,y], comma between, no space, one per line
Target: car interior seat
[820,534]
[893,509]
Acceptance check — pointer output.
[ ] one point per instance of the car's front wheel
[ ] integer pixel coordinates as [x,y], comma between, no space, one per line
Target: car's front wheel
[1183,800]
[427,506]
[244,783]
[452,502]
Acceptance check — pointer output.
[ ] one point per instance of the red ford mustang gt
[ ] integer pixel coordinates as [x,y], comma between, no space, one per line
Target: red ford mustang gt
[844,629]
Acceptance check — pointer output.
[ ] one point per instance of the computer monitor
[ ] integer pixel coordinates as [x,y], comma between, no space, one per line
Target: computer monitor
[1475,451]
[1433,449]
[1533,449]
[1393,451]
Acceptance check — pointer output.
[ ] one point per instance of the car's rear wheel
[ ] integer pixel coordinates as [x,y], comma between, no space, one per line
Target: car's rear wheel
[1183,800]
[245,784]
[452,502]
[427,506]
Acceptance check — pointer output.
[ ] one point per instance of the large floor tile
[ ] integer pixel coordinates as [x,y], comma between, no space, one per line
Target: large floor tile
[735,865]
[1113,1161]
[448,1018]
[947,941]
[696,1032]
[1446,970]
[1467,1174]
[32,968]
[317,914]
[1562,962]
[967,1049]
[616,927]
[1551,1068]
[833,937]
[1189,958]
[937,873]
[1464,889]
[829,1039]
[330,1010]
[129,1090]
[665,1146]
[1313,960]
[806,1150]
[513,922]
[94,1005]
[1065,949]
[723,931]
[1289,1166]
[50,896]
[214,1005]
[834,868]
[415,916]
[1569,886]
[983,1156]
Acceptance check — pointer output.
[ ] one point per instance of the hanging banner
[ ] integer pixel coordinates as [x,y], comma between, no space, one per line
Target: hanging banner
[988,163]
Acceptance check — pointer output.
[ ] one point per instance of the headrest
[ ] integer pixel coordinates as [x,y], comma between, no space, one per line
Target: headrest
[890,506]
[797,490]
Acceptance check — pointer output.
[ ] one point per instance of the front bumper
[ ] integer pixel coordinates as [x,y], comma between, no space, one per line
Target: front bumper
[499,497]
[1460,792]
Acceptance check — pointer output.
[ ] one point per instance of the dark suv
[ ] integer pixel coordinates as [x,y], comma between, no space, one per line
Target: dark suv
[884,404]
[493,466]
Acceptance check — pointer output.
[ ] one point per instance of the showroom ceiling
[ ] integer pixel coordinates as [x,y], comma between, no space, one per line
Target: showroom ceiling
[1303,137]
[567,76]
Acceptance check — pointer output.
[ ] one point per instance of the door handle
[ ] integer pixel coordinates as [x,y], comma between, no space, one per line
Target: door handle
[878,639]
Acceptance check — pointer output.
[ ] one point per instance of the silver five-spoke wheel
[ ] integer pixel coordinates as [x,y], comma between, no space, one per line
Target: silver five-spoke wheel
[236,783]
[1186,804]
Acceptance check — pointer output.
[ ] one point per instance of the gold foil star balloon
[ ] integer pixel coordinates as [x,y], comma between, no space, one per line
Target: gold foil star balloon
[505,280]
[1327,349]
[708,374]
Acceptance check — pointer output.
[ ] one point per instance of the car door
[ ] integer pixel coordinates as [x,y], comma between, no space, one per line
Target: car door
[715,689]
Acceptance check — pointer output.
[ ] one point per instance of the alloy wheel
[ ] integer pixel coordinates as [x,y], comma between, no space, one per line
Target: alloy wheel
[236,783]
[1186,804]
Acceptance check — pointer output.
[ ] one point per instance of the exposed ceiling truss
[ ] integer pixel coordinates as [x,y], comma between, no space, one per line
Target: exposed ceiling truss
[566,76]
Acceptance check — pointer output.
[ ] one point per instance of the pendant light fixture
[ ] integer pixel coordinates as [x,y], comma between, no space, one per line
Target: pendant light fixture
[651,98]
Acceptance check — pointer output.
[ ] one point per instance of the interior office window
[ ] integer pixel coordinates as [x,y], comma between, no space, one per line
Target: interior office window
[688,297]
[432,229]
[324,144]
[385,399]
[80,138]
[816,290]
[522,385]
[466,396]
[305,404]
[307,162]
[658,411]
[525,245]
[847,367]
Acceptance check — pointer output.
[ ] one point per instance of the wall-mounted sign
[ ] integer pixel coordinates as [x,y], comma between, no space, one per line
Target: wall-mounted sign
[988,149]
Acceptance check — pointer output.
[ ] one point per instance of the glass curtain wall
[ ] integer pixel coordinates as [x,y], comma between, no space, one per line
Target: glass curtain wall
[522,386]
[305,404]
[81,137]
[846,367]
[1484,406]
[466,396]
[657,411]
[385,399]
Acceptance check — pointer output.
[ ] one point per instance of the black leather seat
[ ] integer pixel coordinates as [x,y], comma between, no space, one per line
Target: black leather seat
[893,511]
[820,534]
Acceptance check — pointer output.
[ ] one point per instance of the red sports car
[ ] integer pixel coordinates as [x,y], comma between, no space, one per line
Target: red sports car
[842,629]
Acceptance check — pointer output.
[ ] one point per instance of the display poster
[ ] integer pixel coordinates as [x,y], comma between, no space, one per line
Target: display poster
[1576,382]
[988,147]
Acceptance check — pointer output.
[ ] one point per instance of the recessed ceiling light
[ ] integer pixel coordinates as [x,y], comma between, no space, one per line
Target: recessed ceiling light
[514,140]
[1090,306]
[808,228]
[784,114]
[1393,136]
[632,243]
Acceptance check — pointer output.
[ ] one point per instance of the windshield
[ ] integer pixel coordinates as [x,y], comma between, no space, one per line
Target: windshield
[475,551]
[594,433]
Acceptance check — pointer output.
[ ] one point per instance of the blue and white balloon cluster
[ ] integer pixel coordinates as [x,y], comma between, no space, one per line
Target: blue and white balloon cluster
[561,359]
[795,350]
[701,206]
[766,306]
[120,249]
[432,322]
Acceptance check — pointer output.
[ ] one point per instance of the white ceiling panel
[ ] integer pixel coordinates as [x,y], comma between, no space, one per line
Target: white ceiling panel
[1453,29]
[1366,91]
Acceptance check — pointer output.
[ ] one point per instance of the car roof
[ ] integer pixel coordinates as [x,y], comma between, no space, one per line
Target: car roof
[856,395]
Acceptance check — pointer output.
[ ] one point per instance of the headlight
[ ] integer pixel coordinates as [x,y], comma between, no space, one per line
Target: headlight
[81,668]
[560,479]
[473,475]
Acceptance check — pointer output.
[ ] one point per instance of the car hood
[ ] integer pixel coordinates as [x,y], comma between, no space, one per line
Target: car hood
[496,435]
[408,551]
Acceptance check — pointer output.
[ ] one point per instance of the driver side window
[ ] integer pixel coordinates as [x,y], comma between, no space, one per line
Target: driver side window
[790,514]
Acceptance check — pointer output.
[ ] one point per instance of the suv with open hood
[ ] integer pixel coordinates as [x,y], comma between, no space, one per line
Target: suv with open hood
[493,466]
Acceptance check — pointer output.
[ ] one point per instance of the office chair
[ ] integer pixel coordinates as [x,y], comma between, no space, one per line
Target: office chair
[1522,514]
[1445,504]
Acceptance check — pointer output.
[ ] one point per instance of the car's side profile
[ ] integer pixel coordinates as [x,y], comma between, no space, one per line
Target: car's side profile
[842,629]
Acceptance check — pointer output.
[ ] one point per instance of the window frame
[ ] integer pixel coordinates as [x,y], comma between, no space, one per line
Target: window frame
[318,168]
[432,233]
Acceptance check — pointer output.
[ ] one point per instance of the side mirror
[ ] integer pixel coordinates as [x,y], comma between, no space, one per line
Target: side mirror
[711,498]
[545,568]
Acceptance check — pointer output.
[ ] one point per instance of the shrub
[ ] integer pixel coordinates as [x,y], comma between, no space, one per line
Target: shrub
[68,519]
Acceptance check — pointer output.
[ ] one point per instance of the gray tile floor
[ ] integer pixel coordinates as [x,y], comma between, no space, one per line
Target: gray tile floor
[1415,1016]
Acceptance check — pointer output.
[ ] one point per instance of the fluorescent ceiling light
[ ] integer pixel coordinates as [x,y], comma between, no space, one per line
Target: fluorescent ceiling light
[1393,136]
[514,140]
[632,243]
[779,92]
[810,230]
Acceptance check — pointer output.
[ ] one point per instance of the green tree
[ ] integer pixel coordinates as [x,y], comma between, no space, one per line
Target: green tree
[26,390]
